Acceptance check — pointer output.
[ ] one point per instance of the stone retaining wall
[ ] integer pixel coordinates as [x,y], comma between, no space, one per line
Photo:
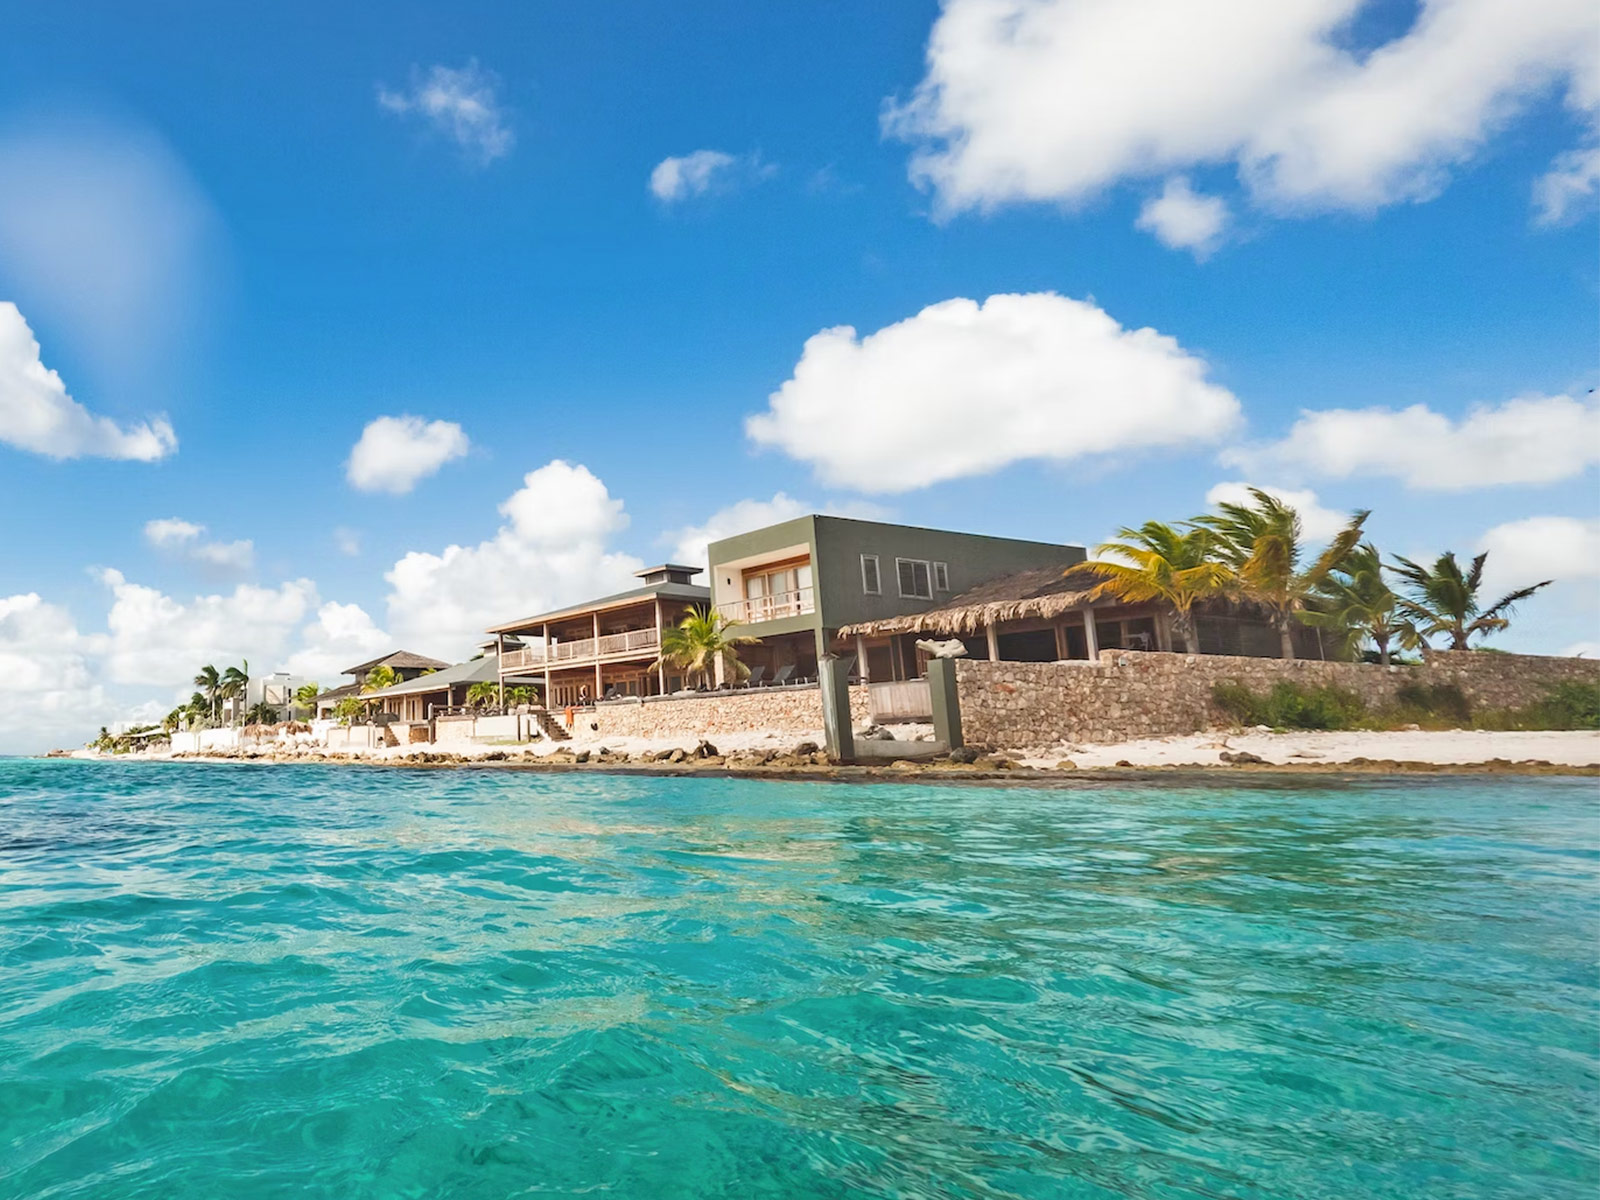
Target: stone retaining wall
[1128,694]
[781,710]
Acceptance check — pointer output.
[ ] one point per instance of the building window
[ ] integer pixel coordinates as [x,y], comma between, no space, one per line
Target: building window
[941,577]
[916,578]
[870,583]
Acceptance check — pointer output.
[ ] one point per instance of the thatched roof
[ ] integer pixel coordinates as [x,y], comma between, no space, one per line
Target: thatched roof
[1040,594]
[400,660]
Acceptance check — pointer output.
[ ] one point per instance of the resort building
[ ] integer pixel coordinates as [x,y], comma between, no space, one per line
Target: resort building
[425,696]
[403,663]
[799,585]
[602,648]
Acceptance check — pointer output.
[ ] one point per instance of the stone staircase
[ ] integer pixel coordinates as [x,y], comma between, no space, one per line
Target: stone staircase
[550,724]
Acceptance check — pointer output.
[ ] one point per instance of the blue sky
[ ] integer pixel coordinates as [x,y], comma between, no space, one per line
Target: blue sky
[272,229]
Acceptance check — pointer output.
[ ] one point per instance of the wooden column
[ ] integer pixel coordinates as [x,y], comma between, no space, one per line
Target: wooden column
[861,659]
[547,700]
[1090,640]
[1060,631]
[661,665]
[994,642]
[597,656]
[500,665]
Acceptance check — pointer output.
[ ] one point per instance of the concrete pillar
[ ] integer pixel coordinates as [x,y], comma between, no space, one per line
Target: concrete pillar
[661,664]
[837,730]
[861,659]
[500,665]
[1090,640]
[597,656]
[546,636]
[946,700]
[994,643]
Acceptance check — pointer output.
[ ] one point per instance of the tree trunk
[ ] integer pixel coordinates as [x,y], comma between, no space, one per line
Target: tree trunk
[1183,625]
[1383,649]
[1286,640]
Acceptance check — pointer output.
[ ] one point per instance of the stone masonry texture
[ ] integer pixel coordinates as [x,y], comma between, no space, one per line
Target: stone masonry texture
[719,713]
[1131,694]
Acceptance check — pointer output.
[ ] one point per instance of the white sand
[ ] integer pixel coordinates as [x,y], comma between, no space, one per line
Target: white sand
[1446,747]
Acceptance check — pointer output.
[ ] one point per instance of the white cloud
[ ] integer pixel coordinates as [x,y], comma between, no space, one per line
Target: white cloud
[1528,440]
[552,549]
[1568,188]
[51,694]
[186,539]
[157,640]
[963,389]
[689,543]
[394,453]
[680,178]
[341,636]
[1183,219]
[1525,552]
[1058,100]
[460,104]
[1318,523]
[1589,649]
[37,414]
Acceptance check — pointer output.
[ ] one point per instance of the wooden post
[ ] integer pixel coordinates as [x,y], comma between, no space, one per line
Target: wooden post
[661,666]
[1090,639]
[597,675]
[861,659]
[500,666]
[547,664]
[1060,631]
[994,642]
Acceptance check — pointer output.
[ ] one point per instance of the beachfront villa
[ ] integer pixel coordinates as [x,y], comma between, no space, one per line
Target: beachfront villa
[604,648]
[405,664]
[425,696]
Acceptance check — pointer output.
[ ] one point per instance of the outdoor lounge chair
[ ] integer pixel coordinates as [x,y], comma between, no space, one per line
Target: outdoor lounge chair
[757,674]
[783,676]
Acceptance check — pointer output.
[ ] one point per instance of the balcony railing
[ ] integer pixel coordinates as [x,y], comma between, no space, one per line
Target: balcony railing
[629,641]
[769,608]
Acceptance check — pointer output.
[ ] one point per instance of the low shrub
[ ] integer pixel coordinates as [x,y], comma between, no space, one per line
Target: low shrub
[1431,704]
[1290,706]
[1565,706]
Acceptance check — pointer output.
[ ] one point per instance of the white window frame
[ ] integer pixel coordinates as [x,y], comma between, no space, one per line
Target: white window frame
[877,575]
[915,562]
[941,577]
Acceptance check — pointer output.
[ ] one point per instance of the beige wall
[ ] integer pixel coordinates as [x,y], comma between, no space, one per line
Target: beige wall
[781,711]
[1129,694]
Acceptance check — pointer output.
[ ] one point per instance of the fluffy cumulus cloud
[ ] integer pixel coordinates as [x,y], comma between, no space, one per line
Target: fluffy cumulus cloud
[157,640]
[964,388]
[340,636]
[37,414]
[394,453]
[1317,522]
[1528,440]
[461,104]
[1528,551]
[553,548]
[682,177]
[1185,220]
[1058,100]
[185,539]
[52,693]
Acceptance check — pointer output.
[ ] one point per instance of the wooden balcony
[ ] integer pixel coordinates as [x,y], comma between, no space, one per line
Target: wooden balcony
[630,642]
[769,608]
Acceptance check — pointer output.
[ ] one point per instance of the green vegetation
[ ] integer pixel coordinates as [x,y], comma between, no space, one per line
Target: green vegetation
[380,677]
[1252,556]
[349,709]
[1162,563]
[1430,706]
[696,643]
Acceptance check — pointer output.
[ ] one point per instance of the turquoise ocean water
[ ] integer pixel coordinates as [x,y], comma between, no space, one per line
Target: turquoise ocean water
[240,982]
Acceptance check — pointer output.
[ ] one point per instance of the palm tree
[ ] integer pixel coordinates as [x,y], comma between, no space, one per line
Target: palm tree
[697,642]
[1441,601]
[262,713]
[172,720]
[198,709]
[235,686]
[210,684]
[1263,543]
[1156,562]
[306,695]
[1357,599]
[484,693]
[380,677]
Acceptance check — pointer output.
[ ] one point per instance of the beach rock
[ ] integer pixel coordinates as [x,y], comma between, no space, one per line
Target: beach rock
[582,756]
[677,756]
[1066,764]
[705,750]
[964,754]
[1240,757]
[806,748]
[1122,762]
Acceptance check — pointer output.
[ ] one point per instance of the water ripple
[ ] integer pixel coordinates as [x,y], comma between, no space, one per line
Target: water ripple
[232,981]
